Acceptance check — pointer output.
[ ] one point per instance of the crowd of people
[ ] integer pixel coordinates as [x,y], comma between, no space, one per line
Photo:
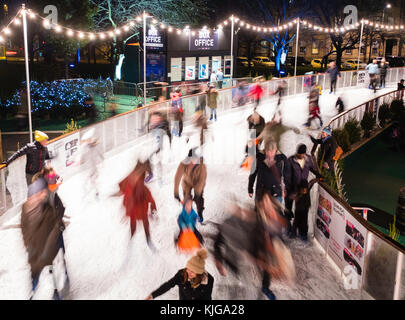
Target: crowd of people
[279,186]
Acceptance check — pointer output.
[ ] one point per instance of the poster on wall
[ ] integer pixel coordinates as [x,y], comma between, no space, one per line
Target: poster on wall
[66,152]
[175,69]
[203,68]
[155,67]
[216,63]
[338,231]
[363,79]
[190,68]
[323,218]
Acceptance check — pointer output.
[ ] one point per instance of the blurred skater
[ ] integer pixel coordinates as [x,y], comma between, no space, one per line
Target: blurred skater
[177,112]
[42,227]
[256,92]
[137,198]
[314,110]
[192,173]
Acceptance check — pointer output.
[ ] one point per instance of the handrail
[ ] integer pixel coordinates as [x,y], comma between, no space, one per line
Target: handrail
[359,106]
[347,206]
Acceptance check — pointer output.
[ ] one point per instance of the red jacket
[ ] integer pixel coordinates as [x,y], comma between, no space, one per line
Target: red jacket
[256,91]
[137,209]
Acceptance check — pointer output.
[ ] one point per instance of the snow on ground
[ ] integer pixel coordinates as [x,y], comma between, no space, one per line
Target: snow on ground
[102,261]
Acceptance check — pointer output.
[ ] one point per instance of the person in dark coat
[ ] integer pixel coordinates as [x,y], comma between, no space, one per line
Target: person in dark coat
[383,72]
[194,282]
[333,73]
[257,123]
[42,227]
[36,152]
[328,147]
[300,165]
[272,169]
[302,204]
[340,105]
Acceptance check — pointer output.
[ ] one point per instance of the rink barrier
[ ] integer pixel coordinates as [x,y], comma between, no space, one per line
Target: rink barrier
[383,265]
[126,128]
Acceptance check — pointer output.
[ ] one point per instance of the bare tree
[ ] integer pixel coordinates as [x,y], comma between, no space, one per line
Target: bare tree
[114,13]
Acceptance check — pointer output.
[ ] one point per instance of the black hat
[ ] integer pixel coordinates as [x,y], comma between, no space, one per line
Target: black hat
[302,149]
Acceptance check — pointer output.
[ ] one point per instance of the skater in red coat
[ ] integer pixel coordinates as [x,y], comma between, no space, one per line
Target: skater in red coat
[137,198]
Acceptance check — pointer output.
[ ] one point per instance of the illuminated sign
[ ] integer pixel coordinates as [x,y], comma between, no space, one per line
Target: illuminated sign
[204,40]
[154,39]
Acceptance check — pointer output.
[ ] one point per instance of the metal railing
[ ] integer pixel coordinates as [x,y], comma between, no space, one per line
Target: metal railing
[125,128]
[380,260]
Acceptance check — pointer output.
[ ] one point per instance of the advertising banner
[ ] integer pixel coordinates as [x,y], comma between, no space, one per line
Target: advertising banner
[203,68]
[204,40]
[175,69]
[323,218]
[155,67]
[338,231]
[66,153]
[190,68]
[363,79]
[216,63]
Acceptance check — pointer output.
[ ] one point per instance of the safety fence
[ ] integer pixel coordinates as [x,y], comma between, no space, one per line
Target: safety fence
[124,129]
[367,258]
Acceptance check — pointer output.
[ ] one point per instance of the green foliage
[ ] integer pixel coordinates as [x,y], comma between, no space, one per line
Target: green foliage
[397,109]
[342,138]
[367,123]
[72,126]
[338,175]
[352,127]
[394,232]
[384,114]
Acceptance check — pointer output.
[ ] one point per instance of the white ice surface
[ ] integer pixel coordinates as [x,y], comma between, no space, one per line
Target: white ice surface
[103,263]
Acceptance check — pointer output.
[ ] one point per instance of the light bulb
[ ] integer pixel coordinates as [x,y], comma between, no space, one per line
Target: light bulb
[70,33]
[102,35]
[138,19]
[126,28]
[81,35]
[162,26]
[193,33]
[58,29]
[1,39]
[7,31]
[32,15]
[46,23]
[170,29]
[132,23]
[91,36]
[17,21]
[111,34]
[225,22]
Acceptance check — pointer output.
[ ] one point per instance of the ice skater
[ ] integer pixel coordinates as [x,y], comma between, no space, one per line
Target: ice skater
[137,198]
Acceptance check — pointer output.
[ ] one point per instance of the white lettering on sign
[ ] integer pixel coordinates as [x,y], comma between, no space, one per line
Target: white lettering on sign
[204,34]
[153,38]
[204,42]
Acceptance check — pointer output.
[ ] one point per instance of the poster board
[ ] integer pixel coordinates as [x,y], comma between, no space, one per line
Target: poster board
[216,63]
[66,153]
[203,68]
[175,69]
[190,68]
[363,79]
[340,233]
[227,66]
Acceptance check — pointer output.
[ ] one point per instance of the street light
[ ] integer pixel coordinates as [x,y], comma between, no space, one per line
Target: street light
[388,6]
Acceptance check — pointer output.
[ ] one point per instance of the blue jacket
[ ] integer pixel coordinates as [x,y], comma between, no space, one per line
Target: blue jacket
[187,220]
[372,68]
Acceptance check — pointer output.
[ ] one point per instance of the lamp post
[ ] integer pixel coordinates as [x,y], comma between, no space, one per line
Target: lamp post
[27,67]
[387,6]
[144,56]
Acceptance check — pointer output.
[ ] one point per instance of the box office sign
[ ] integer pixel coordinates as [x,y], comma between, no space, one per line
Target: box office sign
[204,40]
[154,38]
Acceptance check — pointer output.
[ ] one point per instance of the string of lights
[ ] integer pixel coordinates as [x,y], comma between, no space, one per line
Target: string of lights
[126,28]
[6,31]
[285,26]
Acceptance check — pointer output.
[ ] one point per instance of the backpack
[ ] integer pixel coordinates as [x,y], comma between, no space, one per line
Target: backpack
[338,153]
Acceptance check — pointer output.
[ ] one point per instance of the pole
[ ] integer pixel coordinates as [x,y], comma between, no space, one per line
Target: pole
[232,35]
[27,68]
[361,40]
[144,58]
[296,47]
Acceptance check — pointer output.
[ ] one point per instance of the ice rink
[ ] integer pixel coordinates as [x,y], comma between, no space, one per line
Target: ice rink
[102,261]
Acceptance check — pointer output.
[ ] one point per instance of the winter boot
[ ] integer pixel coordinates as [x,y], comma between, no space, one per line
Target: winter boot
[269,294]
[150,245]
[210,118]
